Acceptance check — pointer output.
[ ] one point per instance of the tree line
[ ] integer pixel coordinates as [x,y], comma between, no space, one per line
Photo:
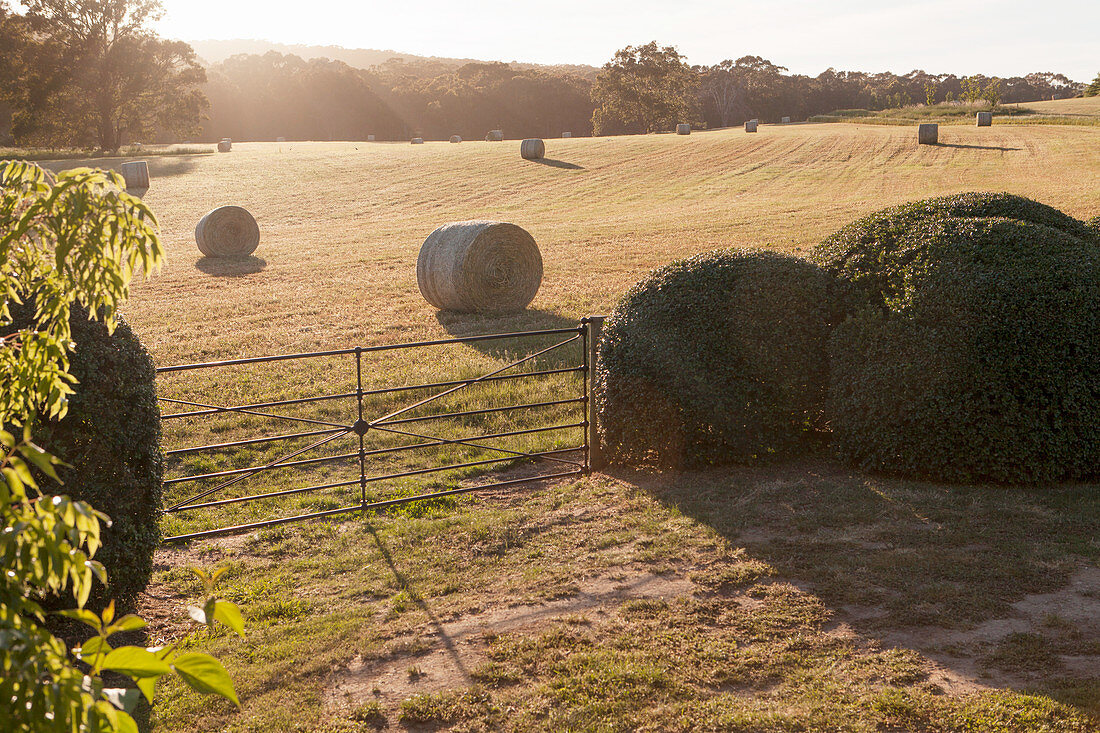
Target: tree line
[91,73]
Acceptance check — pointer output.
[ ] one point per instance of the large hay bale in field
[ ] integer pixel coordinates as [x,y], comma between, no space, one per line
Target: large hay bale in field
[532,149]
[785,120]
[370,138]
[928,133]
[280,139]
[567,134]
[969,341]
[417,141]
[110,441]
[494,136]
[718,358]
[225,145]
[683,129]
[456,138]
[983,119]
[227,231]
[750,126]
[136,175]
[479,266]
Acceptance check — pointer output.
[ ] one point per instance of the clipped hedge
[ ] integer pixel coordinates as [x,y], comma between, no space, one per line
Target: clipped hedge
[713,359]
[111,439]
[1094,224]
[971,345]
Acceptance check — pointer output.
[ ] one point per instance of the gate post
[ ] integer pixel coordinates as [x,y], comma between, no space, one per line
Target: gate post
[596,459]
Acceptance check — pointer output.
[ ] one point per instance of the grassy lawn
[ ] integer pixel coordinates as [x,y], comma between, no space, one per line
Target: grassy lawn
[797,597]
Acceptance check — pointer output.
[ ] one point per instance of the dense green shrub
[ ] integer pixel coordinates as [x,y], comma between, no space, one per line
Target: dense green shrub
[1094,224]
[717,358]
[970,348]
[111,440]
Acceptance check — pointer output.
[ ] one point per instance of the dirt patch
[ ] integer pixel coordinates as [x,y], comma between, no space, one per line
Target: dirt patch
[446,653]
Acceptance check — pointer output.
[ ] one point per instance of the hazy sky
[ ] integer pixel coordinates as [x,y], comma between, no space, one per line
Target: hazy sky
[992,37]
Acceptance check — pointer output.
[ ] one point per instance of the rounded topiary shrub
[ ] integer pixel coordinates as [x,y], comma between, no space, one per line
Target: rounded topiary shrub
[717,358]
[110,437]
[970,348]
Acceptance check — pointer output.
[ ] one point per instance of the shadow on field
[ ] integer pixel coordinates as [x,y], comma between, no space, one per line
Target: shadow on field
[999,585]
[161,165]
[559,164]
[511,349]
[976,147]
[227,267]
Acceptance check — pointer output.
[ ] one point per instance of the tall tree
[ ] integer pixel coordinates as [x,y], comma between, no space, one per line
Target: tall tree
[644,89]
[119,79]
[1093,89]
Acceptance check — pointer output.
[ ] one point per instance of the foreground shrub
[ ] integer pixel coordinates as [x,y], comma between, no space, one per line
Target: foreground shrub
[717,358]
[1094,224]
[970,349]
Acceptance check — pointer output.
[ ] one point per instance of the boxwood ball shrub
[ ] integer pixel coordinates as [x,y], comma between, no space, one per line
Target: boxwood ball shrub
[713,359]
[969,348]
[110,438]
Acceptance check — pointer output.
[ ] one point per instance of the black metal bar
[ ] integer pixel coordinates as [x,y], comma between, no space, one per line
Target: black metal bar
[444,393]
[252,469]
[499,377]
[276,462]
[358,424]
[253,406]
[587,447]
[258,497]
[251,441]
[469,444]
[455,466]
[364,349]
[485,411]
[364,507]
[215,409]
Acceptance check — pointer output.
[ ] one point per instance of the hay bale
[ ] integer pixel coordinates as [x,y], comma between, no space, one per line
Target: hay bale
[280,139]
[417,141]
[479,266]
[984,119]
[495,136]
[928,133]
[227,231]
[225,145]
[456,138]
[567,134]
[683,129]
[785,120]
[370,138]
[136,175]
[750,126]
[532,149]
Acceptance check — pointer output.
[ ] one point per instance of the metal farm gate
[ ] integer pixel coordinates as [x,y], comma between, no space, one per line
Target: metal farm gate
[371,446]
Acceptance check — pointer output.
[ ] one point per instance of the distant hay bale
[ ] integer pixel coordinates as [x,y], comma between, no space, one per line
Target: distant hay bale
[683,129]
[456,138]
[227,231]
[750,126]
[417,141]
[567,134]
[225,145]
[928,133]
[532,149]
[479,266]
[984,119]
[785,120]
[495,136]
[280,139]
[370,138]
[136,175]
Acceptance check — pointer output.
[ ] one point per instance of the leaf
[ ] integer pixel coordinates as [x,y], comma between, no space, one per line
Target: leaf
[230,615]
[123,698]
[129,622]
[205,674]
[89,649]
[148,685]
[218,573]
[82,615]
[41,459]
[135,662]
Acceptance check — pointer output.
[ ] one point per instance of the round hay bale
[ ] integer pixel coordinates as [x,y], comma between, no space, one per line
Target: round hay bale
[479,266]
[683,129]
[370,138]
[785,120]
[227,231]
[136,175]
[928,133]
[456,138]
[750,126]
[494,136]
[417,141]
[567,134]
[983,119]
[280,139]
[532,149]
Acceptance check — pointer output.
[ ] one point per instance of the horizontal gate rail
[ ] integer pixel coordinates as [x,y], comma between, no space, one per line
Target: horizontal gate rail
[572,460]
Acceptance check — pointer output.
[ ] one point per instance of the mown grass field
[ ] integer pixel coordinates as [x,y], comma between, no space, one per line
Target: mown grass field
[798,597]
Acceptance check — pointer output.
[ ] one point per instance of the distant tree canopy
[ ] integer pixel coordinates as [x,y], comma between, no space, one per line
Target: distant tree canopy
[1093,89]
[86,72]
[644,89]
